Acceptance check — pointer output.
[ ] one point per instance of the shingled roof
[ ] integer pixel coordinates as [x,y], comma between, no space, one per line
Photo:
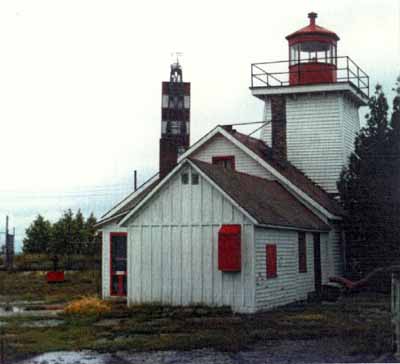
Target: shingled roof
[267,201]
[289,171]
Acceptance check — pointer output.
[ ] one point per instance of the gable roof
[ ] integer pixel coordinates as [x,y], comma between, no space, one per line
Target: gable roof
[290,176]
[263,201]
[267,201]
[292,173]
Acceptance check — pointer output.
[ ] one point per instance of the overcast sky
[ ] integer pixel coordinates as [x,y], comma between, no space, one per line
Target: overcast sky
[80,83]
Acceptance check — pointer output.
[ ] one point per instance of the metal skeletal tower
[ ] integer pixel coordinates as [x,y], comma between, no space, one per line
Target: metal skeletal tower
[175,119]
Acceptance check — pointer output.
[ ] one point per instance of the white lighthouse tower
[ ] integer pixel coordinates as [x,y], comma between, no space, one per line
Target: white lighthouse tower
[312,101]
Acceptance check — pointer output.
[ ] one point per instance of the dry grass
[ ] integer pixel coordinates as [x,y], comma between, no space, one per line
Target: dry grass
[33,286]
[88,306]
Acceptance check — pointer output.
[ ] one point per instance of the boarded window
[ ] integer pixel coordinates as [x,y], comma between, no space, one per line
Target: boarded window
[302,252]
[271,259]
[224,161]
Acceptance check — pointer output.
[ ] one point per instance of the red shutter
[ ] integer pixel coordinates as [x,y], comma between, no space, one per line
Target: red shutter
[271,260]
[229,255]
[302,252]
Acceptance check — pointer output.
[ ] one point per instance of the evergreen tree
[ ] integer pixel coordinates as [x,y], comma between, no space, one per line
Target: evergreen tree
[38,236]
[93,242]
[62,236]
[79,235]
[369,189]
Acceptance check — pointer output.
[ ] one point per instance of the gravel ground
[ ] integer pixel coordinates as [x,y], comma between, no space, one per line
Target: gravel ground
[330,350]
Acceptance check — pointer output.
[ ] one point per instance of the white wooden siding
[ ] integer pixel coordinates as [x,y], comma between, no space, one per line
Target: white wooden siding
[220,146]
[336,249]
[105,266]
[289,285]
[173,249]
[351,126]
[320,134]
[306,280]
[326,260]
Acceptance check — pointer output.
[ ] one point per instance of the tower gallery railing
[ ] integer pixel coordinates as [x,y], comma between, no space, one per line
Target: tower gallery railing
[277,74]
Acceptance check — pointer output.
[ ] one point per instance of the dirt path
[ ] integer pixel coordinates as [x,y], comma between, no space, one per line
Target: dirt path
[327,350]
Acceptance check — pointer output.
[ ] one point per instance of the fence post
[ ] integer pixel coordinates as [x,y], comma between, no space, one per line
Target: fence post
[395,307]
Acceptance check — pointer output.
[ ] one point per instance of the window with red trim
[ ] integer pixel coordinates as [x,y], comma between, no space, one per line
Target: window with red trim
[227,161]
[271,260]
[302,252]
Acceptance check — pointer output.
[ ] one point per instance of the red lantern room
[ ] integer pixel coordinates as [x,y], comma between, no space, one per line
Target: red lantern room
[312,55]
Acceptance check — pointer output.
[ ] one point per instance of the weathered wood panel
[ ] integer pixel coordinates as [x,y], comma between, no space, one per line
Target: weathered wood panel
[178,262]
[289,285]
[336,249]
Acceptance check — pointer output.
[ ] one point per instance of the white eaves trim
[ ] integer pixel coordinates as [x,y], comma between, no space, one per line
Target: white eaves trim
[169,176]
[292,188]
[261,92]
[128,199]
[282,227]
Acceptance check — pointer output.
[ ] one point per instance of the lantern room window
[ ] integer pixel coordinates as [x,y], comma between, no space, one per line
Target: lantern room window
[313,52]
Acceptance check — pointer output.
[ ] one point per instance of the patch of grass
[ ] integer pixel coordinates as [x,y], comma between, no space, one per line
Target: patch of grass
[33,286]
[363,321]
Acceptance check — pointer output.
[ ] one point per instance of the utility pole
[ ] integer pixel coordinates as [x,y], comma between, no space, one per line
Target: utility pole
[6,246]
[9,248]
[135,179]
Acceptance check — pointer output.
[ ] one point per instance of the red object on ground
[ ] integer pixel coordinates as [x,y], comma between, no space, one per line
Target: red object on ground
[229,254]
[55,277]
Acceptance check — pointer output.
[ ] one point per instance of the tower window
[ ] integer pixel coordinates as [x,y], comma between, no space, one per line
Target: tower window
[224,161]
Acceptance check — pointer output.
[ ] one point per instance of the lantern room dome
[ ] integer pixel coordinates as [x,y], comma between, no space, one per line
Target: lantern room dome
[311,31]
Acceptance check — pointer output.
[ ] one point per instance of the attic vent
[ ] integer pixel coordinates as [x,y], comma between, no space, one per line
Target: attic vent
[195,179]
[185,178]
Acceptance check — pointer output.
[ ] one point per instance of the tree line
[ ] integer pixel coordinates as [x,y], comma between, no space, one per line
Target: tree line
[70,234]
[369,188]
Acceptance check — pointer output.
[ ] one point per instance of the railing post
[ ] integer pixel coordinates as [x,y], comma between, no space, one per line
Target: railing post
[251,75]
[348,76]
[358,77]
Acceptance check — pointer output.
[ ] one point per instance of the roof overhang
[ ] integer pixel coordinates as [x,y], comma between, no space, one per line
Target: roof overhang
[281,227]
[346,87]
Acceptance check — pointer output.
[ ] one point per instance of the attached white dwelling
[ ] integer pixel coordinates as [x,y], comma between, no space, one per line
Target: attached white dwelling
[236,220]
[290,240]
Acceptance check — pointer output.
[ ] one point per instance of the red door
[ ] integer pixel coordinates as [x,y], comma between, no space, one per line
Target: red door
[118,264]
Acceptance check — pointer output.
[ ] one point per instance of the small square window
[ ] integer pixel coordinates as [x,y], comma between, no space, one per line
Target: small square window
[195,179]
[185,178]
